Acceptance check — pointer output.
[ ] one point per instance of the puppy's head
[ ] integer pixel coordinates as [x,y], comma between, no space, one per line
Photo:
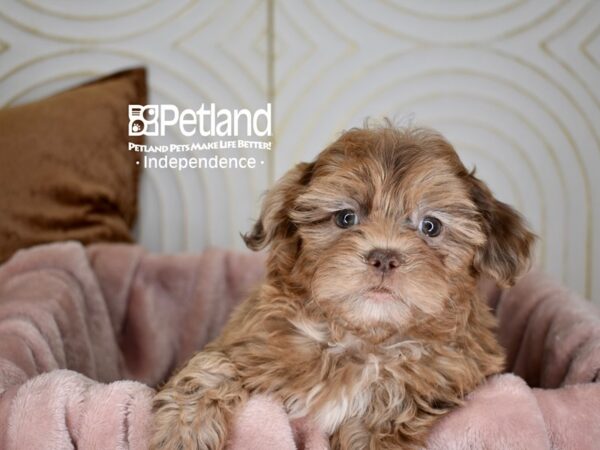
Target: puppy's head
[387,225]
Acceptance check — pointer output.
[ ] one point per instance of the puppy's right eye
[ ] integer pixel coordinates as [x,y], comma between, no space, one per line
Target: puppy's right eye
[345,218]
[430,226]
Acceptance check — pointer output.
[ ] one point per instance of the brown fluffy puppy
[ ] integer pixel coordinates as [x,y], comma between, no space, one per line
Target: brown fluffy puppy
[369,321]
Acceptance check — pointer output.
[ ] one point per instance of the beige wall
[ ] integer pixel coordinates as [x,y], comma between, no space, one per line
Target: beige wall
[515,85]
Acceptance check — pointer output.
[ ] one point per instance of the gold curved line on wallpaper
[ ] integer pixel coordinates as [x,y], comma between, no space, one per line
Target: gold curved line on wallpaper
[559,87]
[585,44]
[96,17]
[235,93]
[536,20]
[248,73]
[589,261]
[379,27]
[590,92]
[545,47]
[261,40]
[589,256]
[498,164]
[298,62]
[549,13]
[135,59]
[82,40]
[31,87]
[351,50]
[343,87]
[189,81]
[449,18]
[351,45]
[180,41]
[30,62]
[570,22]
[199,26]
[241,64]
[282,124]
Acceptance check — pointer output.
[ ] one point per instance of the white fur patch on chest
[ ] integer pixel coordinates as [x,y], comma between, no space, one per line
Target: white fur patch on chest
[352,403]
[345,393]
[328,406]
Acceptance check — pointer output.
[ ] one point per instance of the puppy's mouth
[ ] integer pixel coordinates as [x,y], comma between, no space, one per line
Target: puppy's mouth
[380,294]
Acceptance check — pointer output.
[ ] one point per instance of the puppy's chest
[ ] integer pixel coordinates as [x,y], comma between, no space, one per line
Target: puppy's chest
[349,387]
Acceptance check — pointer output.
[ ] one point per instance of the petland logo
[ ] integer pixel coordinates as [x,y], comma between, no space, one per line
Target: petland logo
[154,120]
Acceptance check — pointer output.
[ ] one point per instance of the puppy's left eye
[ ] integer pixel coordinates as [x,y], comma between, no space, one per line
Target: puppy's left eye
[345,218]
[430,226]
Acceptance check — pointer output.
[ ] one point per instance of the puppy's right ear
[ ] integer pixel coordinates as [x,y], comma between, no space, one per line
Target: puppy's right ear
[274,220]
[509,246]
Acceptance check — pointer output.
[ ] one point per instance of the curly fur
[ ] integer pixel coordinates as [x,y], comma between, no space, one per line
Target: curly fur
[374,370]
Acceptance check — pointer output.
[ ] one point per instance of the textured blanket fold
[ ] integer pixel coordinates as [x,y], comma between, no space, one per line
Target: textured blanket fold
[86,332]
[106,313]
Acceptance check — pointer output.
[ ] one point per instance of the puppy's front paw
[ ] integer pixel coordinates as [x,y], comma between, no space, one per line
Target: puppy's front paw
[194,410]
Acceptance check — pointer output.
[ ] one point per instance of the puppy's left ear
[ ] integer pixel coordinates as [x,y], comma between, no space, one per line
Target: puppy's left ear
[274,220]
[507,252]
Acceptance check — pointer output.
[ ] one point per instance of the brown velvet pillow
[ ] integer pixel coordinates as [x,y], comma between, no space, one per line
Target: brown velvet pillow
[65,169]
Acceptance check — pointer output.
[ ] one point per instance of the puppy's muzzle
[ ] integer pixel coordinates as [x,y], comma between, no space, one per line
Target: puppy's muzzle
[384,260]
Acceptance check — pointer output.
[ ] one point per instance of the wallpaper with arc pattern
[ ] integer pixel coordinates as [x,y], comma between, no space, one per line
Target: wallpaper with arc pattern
[514,84]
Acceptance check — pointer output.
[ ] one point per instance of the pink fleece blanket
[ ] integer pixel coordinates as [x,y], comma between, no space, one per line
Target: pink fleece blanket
[84,333]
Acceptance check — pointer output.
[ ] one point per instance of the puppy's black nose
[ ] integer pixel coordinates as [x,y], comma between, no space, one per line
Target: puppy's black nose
[383,260]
